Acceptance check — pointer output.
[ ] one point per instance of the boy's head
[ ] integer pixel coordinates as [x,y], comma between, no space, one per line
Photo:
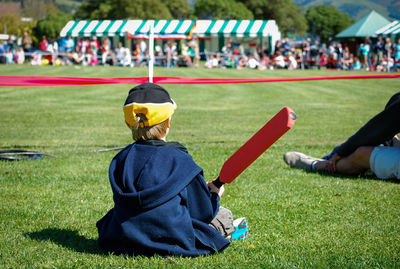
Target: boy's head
[148,109]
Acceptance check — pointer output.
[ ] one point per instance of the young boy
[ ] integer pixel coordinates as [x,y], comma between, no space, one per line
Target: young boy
[162,204]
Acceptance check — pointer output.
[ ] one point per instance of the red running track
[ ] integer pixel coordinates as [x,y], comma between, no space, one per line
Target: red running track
[36,81]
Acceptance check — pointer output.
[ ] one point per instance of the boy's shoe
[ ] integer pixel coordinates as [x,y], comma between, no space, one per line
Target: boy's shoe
[299,160]
[241,231]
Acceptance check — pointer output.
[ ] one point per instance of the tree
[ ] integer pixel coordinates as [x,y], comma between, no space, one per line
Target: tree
[180,9]
[86,8]
[287,15]
[133,9]
[221,9]
[14,25]
[139,9]
[38,9]
[326,21]
[52,25]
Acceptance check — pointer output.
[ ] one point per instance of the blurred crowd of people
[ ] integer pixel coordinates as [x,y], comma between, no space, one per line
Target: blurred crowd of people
[377,55]
[381,55]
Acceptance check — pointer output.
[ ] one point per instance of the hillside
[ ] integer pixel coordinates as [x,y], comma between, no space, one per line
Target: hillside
[357,9]
[68,6]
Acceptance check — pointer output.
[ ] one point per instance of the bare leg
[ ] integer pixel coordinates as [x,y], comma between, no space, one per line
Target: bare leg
[354,164]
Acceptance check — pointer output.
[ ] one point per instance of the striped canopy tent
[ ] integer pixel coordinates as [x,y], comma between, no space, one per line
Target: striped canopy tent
[238,28]
[392,28]
[171,29]
[163,29]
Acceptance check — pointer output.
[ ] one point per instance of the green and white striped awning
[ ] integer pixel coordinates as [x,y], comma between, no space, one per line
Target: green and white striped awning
[239,28]
[171,29]
[392,28]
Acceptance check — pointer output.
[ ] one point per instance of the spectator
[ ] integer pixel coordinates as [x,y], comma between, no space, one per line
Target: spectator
[379,49]
[265,61]
[43,44]
[159,57]
[20,55]
[285,47]
[93,57]
[78,57]
[137,55]
[9,56]
[26,42]
[185,61]
[84,46]
[169,50]
[143,50]
[279,60]
[357,64]
[386,64]
[364,51]
[292,61]
[105,48]
[314,54]
[3,52]
[347,62]
[69,45]
[227,50]
[368,45]
[36,58]
[52,48]
[305,48]
[397,56]
[252,62]
[126,58]
[322,58]
[94,45]
[242,61]
[196,57]
[211,62]
[119,52]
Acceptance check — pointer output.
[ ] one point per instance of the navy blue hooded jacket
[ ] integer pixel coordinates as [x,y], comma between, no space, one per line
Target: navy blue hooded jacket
[162,204]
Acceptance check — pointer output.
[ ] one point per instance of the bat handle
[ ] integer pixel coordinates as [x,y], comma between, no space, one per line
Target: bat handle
[217,183]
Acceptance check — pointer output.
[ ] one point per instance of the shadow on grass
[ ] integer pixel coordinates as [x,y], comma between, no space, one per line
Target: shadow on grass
[366,176]
[68,239]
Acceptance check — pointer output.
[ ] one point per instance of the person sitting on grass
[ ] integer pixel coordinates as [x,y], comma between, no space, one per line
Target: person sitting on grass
[162,204]
[374,147]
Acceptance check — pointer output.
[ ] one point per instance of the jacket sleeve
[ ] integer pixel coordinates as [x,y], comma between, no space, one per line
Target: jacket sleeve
[376,131]
[203,205]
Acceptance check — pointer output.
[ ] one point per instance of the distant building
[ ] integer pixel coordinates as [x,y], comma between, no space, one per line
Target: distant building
[8,8]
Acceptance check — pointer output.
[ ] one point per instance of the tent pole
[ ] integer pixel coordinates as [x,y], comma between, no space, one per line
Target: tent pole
[151,52]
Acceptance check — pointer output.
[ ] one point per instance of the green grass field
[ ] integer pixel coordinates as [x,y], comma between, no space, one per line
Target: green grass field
[297,219]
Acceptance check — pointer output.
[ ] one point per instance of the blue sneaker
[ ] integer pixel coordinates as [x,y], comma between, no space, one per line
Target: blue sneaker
[241,229]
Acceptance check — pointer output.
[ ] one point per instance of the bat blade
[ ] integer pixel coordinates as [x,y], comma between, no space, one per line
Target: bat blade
[256,145]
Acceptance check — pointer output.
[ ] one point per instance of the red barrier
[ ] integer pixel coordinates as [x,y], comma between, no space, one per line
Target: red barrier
[75,81]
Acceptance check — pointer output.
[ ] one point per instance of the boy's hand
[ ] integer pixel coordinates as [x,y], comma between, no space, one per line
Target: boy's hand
[212,188]
[331,165]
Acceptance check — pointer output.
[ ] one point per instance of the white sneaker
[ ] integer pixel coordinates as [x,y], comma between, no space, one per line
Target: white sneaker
[299,160]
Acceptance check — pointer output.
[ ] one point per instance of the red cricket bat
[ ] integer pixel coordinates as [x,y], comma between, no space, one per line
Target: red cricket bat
[256,145]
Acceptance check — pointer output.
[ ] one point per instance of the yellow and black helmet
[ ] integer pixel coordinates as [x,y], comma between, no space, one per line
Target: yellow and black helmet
[150,100]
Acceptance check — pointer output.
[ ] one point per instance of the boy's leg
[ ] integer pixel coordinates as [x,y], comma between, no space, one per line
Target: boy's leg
[232,230]
[354,164]
[223,222]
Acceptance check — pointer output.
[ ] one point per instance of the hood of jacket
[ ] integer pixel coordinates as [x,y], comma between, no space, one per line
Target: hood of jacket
[146,174]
